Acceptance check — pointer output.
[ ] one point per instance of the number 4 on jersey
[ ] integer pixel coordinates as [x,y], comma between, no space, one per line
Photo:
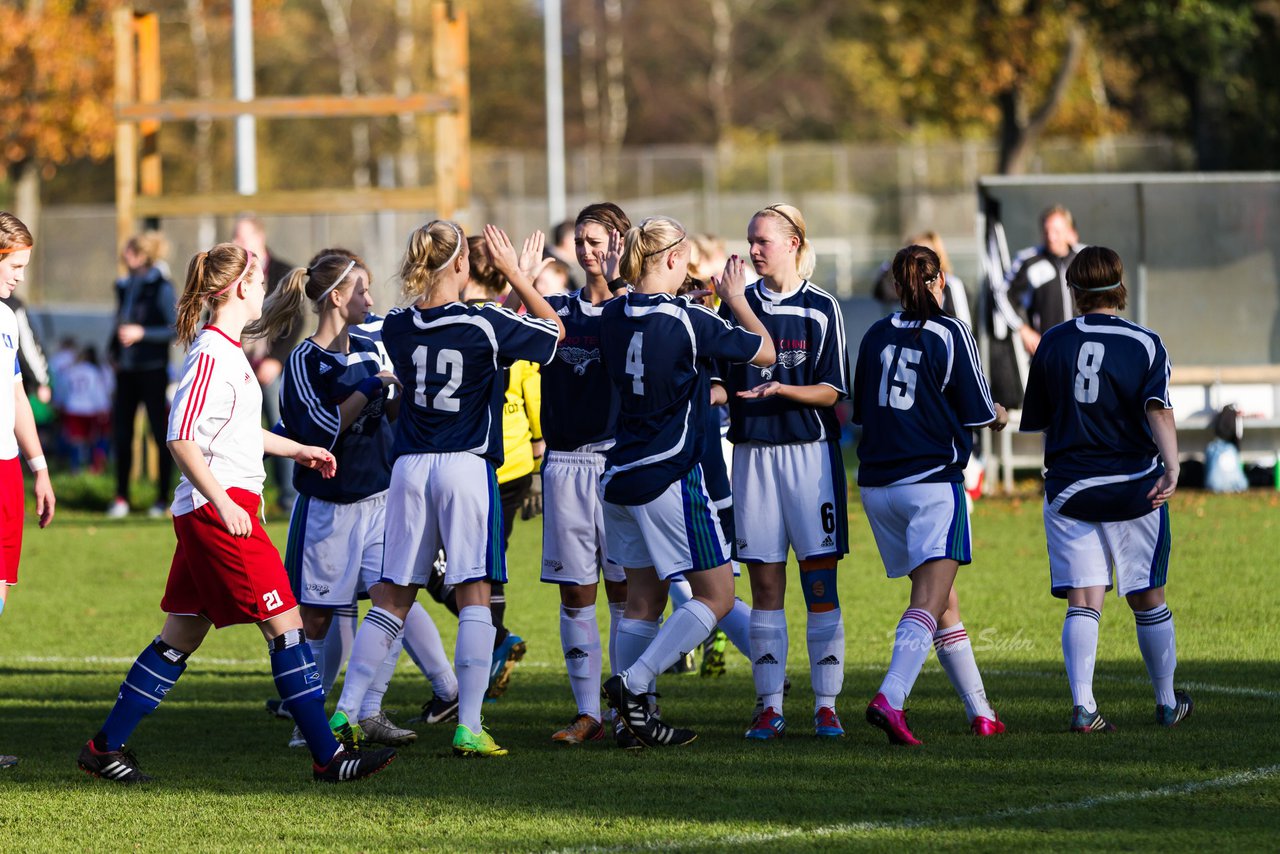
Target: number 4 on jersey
[635,362]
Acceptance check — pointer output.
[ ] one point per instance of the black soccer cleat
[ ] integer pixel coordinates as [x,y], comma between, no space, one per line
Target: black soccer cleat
[633,711]
[349,765]
[437,710]
[119,766]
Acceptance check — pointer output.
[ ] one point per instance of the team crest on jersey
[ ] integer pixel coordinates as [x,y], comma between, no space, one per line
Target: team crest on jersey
[786,359]
[580,357]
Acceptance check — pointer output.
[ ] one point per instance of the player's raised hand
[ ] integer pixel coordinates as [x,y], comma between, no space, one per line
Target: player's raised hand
[733,282]
[317,458]
[502,255]
[611,257]
[531,255]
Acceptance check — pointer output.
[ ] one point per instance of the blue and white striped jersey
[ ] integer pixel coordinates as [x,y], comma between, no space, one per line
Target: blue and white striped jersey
[1088,389]
[808,332]
[450,360]
[653,346]
[313,385]
[579,402]
[918,392]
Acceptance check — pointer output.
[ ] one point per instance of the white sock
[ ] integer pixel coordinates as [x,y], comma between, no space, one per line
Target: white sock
[679,592]
[737,625]
[372,702]
[634,637]
[337,644]
[616,610]
[472,657]
[955,654]
[769,655]
[687,627]
[911,644]
[825,636]
[580,641]
[1159,650]
[422,642]
[373,642]
[1079,651]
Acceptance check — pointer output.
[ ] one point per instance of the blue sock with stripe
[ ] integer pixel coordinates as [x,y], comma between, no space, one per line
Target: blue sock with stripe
[298,682]
[1079,652]
[1159,650]
[152,675]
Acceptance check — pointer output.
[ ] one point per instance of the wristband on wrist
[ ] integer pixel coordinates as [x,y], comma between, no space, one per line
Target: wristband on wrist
[618,284]
[370,387]
[37,464]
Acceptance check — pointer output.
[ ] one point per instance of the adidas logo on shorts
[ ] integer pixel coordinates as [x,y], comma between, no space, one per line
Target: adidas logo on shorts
[767,658]
[828,542]
[829,660]
[574,654]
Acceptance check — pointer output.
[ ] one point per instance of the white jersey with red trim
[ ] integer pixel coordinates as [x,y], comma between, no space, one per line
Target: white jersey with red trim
[218,406]
[8,356]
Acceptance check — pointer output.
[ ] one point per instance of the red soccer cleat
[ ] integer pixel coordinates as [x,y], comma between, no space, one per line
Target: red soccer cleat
[892,721]
[981,726]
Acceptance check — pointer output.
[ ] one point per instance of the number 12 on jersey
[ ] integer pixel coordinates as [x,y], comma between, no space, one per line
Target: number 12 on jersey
[900,391]
[449,363]
[635,362]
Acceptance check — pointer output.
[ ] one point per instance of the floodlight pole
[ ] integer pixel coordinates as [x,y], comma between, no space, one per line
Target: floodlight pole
[552,28]
[246,126]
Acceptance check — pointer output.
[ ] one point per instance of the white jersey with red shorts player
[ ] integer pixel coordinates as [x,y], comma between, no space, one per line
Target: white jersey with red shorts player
[218,406]
[448,436]
[12,495]
[782,447]
[918,392]
[1088,389]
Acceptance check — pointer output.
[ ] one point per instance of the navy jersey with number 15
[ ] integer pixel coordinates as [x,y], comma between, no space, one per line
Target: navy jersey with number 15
[450,360]
[653,346]
[1088,389]
[918,392]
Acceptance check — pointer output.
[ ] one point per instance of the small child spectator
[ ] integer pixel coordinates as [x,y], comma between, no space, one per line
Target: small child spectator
[85,397]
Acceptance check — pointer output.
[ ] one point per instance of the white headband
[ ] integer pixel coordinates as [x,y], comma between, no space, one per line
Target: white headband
[456,249]
[350,266]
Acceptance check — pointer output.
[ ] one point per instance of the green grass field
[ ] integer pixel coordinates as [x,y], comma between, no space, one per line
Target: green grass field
[226,781]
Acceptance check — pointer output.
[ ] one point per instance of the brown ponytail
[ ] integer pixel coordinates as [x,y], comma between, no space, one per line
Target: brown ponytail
[915,268]
[209,278]
[332,270]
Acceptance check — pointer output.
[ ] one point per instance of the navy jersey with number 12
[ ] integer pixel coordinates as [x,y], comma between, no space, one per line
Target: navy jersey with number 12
[918,392]
[1088,389]
[450,360]
[653,346]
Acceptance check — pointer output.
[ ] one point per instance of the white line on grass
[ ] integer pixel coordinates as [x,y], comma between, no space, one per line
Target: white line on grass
[1240,778]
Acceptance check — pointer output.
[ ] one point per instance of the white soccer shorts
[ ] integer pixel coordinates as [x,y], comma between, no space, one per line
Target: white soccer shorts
[334,550]
[789,495]
[1082,554]
[443,501]
[675,533]
[573,540]
[915,523]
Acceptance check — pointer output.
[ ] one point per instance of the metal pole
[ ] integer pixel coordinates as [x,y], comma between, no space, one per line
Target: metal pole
[556,204]
[242,59]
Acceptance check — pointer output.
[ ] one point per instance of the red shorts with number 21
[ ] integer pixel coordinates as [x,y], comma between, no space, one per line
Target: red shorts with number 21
[229,580]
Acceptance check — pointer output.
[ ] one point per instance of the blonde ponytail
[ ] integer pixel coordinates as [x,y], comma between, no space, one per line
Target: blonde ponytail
[432,248]
[645,245]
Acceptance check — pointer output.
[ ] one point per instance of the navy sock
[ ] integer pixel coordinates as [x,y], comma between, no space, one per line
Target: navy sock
[298,682]
[154,672]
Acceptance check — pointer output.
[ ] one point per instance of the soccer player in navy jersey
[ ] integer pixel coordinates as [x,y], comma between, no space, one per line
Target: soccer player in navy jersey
[786,439]
[337,391]
[659,520]
[1099,389]
[918,392]
[448,445]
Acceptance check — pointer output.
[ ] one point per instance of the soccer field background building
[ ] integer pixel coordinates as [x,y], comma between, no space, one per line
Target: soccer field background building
[226,781]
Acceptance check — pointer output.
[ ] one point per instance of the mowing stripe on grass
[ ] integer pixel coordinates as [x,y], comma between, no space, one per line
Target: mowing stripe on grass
[861,828]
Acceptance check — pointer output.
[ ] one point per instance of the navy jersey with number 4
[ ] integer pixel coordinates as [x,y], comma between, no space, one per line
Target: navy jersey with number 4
[808,333]
[450,360]
[918,392]
[579,401]
[653,346]
[313,385]
[1088,389]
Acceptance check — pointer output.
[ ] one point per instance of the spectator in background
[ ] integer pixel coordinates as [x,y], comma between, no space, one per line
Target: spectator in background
[268,357]
[145,312]
[955,300]
[562,249]
[553,278]
[84,402]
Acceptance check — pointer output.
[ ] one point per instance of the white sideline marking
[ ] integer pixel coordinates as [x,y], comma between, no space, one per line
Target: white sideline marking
[1240,778]
[197,660]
